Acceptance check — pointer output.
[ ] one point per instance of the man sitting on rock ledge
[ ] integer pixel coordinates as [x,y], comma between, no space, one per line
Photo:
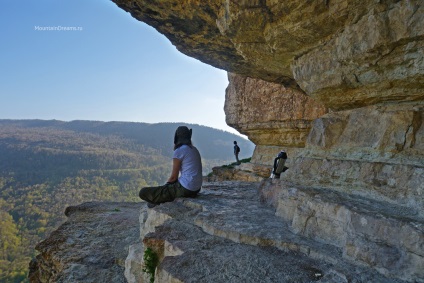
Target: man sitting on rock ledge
[187,161]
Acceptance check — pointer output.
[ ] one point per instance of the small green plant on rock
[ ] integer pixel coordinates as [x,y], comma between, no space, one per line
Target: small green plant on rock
[150,262]
[246,160]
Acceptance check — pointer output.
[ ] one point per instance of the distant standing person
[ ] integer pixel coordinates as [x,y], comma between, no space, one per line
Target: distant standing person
[186,177]
[236,152]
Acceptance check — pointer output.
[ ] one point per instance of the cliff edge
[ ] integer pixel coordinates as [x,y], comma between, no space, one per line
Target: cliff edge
[91,246]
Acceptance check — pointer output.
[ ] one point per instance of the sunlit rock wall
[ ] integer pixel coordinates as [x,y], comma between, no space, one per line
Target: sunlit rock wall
[273,116]
[269,113]
[375,151]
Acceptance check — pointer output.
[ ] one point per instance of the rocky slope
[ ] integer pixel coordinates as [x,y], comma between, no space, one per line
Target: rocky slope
[339,84]
[227,234]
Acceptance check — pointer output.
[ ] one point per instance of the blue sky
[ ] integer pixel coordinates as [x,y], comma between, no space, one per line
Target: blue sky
[114,69]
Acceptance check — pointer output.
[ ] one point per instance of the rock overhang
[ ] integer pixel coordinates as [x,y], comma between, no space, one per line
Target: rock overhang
[346,54]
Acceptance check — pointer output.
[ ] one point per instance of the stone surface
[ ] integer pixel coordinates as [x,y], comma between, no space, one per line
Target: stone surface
[374,133]
[242,172]
[91,246]
[134,263]
[227,235]
[376,58]
[269,113]
[387,237]
[375,151]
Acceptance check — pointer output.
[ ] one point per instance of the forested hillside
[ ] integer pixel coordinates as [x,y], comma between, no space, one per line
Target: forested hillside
[46,166]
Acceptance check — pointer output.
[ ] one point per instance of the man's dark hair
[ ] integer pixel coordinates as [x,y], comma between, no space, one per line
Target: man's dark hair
[182,136]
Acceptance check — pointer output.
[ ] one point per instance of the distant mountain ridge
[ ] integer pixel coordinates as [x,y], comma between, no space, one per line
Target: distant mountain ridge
[159,135]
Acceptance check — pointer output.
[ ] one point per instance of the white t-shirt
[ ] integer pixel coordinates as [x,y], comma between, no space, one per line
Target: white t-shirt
[191,167]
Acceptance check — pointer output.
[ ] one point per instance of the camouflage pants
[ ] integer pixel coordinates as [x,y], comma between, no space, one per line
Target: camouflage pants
[165,193]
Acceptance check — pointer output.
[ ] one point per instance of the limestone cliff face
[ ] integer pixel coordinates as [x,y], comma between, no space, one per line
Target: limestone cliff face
[269,113]
[375,151]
